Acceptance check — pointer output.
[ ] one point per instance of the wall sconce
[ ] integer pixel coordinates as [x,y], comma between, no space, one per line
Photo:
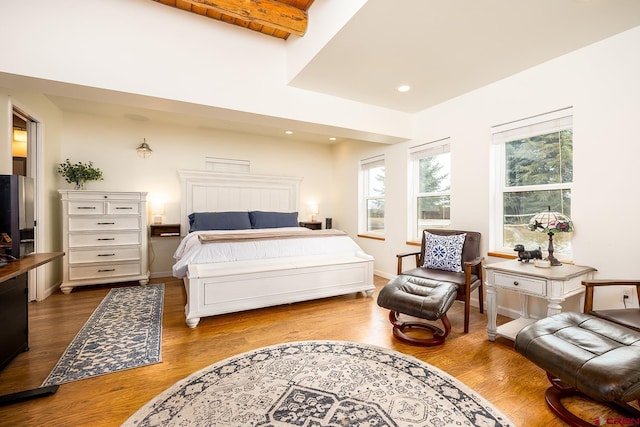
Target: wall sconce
[143,149]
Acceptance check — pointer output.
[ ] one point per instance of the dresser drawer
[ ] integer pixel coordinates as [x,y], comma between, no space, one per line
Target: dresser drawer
[520,284]
[107,270]
[86,208]
[104,255]
[123,208]
[97,195]
[104,239]
[104,223]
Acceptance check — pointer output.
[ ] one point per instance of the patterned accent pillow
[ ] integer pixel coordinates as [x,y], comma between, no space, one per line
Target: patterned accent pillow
[444,252]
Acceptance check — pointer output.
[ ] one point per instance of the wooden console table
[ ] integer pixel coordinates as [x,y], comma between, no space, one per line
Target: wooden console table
[555,284]
[22,265]
[14,300]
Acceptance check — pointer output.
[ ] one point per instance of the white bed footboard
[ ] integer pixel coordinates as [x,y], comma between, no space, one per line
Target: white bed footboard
[214,289]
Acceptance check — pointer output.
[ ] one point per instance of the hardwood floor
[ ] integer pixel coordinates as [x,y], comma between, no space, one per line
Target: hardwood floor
[494,370]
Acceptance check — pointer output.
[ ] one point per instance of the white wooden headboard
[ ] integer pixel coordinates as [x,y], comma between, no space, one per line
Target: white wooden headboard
[206,191]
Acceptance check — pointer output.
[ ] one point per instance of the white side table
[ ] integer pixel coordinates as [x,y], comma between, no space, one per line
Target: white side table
[555,284]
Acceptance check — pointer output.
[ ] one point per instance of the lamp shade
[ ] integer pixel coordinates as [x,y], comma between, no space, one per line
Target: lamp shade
[313,209]
[551,222]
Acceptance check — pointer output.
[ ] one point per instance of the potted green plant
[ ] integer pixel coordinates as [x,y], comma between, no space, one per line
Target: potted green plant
[79,173]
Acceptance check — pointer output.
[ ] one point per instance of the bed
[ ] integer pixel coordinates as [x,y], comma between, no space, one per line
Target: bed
[229,265]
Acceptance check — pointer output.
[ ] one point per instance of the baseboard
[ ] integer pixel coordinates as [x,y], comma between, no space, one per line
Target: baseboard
[157,274]
[50,291]
[384,275]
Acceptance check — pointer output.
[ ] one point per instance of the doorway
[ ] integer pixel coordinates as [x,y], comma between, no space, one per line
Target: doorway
[24,152]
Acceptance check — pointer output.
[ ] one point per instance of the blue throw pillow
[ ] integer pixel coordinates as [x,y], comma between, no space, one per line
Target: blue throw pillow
[261,219]
[444,252]
[199,221]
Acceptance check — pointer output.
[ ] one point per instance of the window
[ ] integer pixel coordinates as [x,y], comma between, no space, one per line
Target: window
[535,171]
[372,190]
[430,177]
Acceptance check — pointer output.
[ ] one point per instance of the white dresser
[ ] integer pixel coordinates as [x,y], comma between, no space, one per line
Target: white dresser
[105,238]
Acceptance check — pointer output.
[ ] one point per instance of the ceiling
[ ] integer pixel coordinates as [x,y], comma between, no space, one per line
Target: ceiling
[445,48]
[441,48]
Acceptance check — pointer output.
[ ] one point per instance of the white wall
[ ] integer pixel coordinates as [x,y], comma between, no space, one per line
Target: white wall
[110,143]
[601,83]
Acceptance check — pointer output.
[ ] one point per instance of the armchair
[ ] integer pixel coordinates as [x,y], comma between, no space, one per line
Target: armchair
[629,317]
[467,281]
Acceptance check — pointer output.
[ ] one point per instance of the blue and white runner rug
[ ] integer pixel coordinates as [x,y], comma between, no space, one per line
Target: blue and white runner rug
[124,332]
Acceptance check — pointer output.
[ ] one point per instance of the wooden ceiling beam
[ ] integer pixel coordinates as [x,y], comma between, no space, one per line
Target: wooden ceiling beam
[270,13]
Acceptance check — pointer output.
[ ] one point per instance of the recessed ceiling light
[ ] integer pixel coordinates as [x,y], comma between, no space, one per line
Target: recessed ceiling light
[333,138]
[288,132]
[403,88]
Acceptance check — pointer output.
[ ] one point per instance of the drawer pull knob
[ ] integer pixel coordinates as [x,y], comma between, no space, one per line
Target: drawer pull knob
[106,254]
[86,207]
[515,283]
[124,207]
[106,270]
[106,238]
[106,223]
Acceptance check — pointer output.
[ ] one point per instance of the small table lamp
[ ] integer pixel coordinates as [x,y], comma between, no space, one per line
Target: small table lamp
[157,210]
[551,222]
[313,210]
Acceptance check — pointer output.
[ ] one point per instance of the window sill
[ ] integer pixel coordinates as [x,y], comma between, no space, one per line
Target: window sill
[502,255]
[371,236]
[510,256]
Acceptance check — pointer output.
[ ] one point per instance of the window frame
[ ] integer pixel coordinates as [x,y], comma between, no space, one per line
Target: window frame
[415,154]
[541,124]
[366,165]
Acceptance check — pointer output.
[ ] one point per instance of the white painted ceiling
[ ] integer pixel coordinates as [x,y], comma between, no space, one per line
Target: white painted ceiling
[445,48]
[442,48]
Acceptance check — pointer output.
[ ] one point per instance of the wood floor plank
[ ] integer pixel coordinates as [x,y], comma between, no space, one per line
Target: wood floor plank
[494,370]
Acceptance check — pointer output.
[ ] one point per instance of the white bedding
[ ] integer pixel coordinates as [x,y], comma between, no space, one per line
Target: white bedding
[192,251]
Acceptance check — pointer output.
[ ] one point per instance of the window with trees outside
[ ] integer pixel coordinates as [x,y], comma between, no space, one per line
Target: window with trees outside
[372,200]
[535,164]
[430,177]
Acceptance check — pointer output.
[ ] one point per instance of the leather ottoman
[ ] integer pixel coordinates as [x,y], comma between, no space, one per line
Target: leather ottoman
[582,353]
[418,297]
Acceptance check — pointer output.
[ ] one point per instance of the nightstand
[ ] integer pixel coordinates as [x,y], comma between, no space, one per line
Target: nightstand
[164,230]
[313,225]
[554,284]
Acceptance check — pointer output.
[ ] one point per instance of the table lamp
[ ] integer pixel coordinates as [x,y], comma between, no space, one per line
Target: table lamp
[551,223]
[313,209]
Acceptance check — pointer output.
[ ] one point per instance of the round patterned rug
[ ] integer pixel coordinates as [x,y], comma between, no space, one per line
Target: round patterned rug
[319,383]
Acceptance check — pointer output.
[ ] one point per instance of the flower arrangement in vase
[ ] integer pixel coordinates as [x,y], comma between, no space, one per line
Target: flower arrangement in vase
[79,173]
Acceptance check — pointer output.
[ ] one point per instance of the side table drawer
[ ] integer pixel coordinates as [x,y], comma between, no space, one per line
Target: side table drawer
[520,284]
